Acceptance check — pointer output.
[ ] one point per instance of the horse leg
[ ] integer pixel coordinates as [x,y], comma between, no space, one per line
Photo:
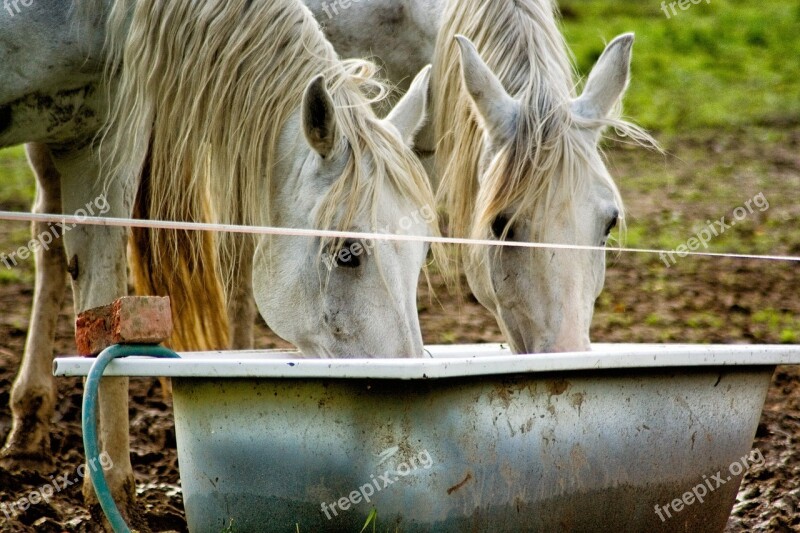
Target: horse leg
[97,265]
[34,393]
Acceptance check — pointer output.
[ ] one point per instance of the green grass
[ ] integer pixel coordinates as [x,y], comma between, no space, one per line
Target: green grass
[725,64]
[786,323]
[16,180]
[17,190]
[8,276]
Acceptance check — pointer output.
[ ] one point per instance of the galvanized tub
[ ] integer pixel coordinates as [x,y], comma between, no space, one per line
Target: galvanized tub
[470,439]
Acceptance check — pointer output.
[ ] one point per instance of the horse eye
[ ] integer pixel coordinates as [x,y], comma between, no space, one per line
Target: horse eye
[499,226]
[349,255]
[611,226]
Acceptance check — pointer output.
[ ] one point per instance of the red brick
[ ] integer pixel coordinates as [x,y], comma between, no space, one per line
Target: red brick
[129,320]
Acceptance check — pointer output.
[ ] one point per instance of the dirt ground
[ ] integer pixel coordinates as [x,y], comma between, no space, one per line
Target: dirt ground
[769,499]
[696,301]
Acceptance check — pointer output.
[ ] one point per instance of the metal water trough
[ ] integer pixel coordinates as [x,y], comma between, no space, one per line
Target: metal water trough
[471,439]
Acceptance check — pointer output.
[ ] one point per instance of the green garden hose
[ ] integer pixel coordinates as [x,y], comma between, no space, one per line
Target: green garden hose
[89,421]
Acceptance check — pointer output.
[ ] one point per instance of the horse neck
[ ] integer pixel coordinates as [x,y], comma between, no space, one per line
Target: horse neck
[426,16]
[286,186]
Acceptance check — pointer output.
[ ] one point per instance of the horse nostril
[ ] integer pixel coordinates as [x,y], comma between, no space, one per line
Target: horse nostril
[5,118]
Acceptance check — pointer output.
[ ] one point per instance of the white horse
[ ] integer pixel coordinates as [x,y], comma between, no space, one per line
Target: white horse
[326,162]
[515,147]
[518,156]
[321,161]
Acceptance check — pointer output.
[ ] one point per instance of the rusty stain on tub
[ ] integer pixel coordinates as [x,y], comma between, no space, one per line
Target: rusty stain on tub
[503,392]
[557,387]
[577,458]
[577,401]
[457,486]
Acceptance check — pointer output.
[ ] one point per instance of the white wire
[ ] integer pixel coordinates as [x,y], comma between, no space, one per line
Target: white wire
[299,232]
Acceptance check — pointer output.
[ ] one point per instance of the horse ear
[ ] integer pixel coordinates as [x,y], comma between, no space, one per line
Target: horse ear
[608,80]
[409,115]
[318,117]
[497,109]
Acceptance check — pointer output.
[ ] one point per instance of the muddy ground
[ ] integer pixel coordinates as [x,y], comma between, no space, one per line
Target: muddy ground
[697,300]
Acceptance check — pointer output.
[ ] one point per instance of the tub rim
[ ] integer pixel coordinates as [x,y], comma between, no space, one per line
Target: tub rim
[441,361]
